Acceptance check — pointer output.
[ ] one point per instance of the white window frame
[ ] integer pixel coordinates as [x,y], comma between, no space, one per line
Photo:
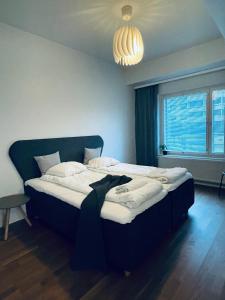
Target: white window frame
[208,153]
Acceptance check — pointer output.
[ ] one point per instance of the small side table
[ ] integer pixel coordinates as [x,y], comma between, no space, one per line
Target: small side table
[9,202]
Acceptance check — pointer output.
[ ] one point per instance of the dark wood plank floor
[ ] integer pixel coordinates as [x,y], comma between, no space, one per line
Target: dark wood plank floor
[34,263]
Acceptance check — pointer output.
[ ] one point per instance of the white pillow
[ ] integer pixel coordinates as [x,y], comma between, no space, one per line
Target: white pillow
[101,162]
[90,153]
[66,169]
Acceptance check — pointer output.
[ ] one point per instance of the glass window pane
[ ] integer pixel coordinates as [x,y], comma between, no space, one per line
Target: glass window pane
[218,103]
[185,122]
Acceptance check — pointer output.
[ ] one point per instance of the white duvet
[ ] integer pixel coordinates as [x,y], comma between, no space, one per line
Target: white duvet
[163,175]
[78,182]
[138,190]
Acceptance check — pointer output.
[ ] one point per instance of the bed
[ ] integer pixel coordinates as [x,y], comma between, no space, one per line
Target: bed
[181,191]
[126,244]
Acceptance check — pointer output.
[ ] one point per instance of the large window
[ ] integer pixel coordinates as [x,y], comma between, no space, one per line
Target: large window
[193,122]
[218,104]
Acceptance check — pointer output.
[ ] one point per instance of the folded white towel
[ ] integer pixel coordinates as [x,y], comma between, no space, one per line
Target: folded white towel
[167,175]
[136,197]
[122,189]
[130,186]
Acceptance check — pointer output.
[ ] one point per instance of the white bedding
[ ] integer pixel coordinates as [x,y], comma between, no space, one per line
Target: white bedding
[78,182]
[133,171]
[172,186]
[110,210]
[131,198]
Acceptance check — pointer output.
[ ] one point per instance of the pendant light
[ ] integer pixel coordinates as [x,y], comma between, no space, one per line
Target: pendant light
[128,47]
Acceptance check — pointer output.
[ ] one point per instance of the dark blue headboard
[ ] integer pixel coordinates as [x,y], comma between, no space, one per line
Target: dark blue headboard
[71,149]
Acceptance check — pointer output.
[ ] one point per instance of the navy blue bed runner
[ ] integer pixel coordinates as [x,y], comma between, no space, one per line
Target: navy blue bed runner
[89,248]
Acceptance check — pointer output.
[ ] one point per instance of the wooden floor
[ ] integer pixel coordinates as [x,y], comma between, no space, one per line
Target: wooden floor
[188,265]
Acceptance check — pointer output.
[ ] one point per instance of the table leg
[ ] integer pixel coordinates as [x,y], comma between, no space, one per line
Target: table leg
[25,216]
[7,215]
[3,218]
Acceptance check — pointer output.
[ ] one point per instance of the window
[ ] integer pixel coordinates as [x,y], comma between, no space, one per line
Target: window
[193,123]
[218,104]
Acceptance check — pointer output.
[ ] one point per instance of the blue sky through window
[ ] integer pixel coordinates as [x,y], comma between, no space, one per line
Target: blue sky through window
[185,122]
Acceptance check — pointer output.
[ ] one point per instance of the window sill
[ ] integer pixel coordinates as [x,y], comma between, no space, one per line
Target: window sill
[207,158]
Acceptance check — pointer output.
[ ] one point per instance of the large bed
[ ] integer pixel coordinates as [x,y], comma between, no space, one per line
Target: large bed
[126,243]
[182,188]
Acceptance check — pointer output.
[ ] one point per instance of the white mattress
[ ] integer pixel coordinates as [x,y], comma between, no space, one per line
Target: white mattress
[110,210]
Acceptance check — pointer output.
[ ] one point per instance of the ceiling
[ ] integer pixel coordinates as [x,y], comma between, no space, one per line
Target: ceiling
[88,25]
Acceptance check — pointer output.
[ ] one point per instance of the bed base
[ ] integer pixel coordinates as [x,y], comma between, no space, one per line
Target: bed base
[126,245]
[182,199]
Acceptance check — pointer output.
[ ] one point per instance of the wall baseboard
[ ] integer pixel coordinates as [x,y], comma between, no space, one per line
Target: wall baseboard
[208,183]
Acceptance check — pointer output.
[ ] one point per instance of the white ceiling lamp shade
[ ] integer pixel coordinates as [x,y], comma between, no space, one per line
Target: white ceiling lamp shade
[128,46]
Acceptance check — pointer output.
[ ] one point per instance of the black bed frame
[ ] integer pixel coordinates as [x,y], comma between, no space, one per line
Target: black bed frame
[126,244]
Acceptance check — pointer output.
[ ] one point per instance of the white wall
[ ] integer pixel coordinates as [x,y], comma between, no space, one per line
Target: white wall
[187,61]
[203,170]
[48,90]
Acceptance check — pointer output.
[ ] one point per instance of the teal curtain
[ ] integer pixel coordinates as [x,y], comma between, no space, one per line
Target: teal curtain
[146,125]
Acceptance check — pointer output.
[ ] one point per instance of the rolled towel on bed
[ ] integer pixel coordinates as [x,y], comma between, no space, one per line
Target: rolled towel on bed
[136,197]
[130,186]
[167,175]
